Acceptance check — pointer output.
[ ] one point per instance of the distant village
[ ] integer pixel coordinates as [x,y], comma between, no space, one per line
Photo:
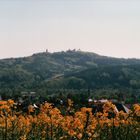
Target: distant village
[31,98]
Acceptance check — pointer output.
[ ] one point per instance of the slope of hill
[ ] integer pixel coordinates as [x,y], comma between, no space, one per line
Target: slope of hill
[101,77]
[44,69]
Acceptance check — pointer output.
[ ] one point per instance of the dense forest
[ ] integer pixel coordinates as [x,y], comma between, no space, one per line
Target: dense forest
[47,72]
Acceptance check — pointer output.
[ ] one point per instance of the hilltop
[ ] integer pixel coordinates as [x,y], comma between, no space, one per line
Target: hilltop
[54,70]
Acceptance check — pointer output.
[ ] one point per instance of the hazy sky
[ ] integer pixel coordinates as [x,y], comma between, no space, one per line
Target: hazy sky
[107,27]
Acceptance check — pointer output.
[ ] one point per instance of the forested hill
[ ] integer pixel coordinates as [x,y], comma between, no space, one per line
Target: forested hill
[38,70]
[115,77]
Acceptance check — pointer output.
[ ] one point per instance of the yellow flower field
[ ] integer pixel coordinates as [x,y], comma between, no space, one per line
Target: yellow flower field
[48,123]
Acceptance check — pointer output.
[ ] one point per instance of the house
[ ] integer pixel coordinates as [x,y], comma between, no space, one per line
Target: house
[97,106]
[121,107]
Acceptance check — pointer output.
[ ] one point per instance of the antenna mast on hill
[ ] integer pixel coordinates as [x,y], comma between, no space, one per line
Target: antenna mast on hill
[47,51]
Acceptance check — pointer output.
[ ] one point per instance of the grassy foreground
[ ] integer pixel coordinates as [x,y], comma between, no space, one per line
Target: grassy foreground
[48,123]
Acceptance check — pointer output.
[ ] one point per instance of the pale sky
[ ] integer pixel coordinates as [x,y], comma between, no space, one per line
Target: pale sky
[107,27]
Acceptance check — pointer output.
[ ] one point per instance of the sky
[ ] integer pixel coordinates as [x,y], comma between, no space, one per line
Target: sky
[106,27]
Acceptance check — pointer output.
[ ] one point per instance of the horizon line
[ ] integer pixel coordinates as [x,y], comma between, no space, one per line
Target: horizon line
[76,50]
